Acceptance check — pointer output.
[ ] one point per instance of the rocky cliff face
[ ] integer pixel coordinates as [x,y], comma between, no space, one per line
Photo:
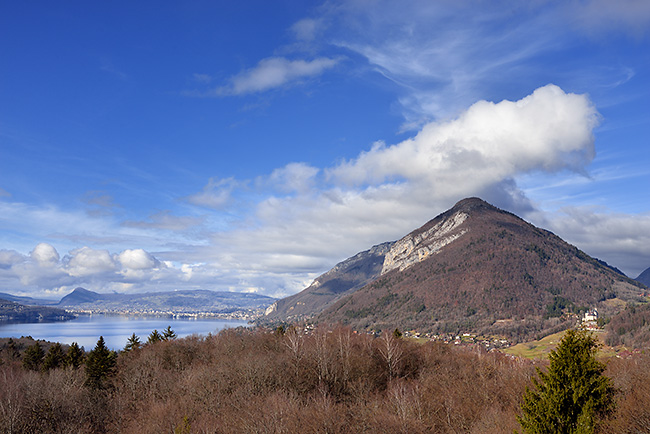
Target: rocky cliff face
[418,246]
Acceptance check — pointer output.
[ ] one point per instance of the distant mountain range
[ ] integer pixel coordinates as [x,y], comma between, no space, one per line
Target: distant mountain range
[188,301]
[177,302]
[27,300]
[473,268]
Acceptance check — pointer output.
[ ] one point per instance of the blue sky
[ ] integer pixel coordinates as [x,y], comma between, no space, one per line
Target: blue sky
[250,146]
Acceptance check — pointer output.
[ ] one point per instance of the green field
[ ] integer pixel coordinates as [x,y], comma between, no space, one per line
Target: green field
[536,349]
[540,349]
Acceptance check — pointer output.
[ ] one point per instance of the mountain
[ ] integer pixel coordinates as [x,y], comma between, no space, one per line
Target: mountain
[477,268]
[26,300]
[345,278]
[644,277]
[80,296]
[188,301]
[16,312]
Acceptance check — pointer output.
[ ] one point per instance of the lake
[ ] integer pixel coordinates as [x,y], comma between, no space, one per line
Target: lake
[85,330]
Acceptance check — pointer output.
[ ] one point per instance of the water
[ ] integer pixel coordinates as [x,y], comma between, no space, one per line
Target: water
[85,330]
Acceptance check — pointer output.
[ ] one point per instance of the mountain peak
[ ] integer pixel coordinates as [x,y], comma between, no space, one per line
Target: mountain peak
[472,204]
[79,295]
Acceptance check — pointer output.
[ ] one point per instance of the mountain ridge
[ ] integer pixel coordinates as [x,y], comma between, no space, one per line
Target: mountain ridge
[344,278]
[181,301]
[644,277]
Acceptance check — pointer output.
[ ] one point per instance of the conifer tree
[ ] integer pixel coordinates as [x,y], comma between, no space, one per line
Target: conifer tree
[100,364]
[132,343]
[12,350]
[573,395]
[33,357]
[154,337]
[74,357]
[54,357]
[169,334]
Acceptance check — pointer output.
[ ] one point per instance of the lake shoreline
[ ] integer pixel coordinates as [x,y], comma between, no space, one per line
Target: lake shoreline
[86,329]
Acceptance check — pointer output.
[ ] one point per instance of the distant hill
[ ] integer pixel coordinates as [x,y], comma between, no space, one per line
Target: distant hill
[82,296]
[478,268]
[27,300]
[644,277]
[15,312]
[188,301]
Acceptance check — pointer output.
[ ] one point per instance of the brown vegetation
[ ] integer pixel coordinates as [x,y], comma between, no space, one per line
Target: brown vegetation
[330,381]
[630,327]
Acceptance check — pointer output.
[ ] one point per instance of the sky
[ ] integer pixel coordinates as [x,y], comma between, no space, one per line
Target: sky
[250,146]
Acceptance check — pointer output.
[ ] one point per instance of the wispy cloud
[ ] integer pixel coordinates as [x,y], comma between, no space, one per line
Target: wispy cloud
[216,194]
[165,220]
[275,72]
[108,66]
[603,16]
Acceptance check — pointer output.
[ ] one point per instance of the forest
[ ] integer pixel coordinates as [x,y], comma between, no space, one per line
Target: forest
[287,381]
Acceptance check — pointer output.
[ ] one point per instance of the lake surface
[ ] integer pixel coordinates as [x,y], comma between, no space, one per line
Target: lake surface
[85,330]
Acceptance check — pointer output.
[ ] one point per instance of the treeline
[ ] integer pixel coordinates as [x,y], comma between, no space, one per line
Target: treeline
[328,381]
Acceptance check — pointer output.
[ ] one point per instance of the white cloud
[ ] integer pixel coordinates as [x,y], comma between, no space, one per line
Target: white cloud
[548,130]
[9,258]
[216,194]
[306,29]
[275,72]
[86,261]
[137,259]
[202,78]
[294,177]
[45,255]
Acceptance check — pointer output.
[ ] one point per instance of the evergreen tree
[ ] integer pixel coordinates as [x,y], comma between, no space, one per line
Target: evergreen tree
[169,334]
[54,357]
[74,357]
[573,394]
[133,343]
[100,365]
[12,350]
[154,337]
[33,357]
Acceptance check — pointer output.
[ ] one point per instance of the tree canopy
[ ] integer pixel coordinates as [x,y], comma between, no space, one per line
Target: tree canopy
[33,357]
